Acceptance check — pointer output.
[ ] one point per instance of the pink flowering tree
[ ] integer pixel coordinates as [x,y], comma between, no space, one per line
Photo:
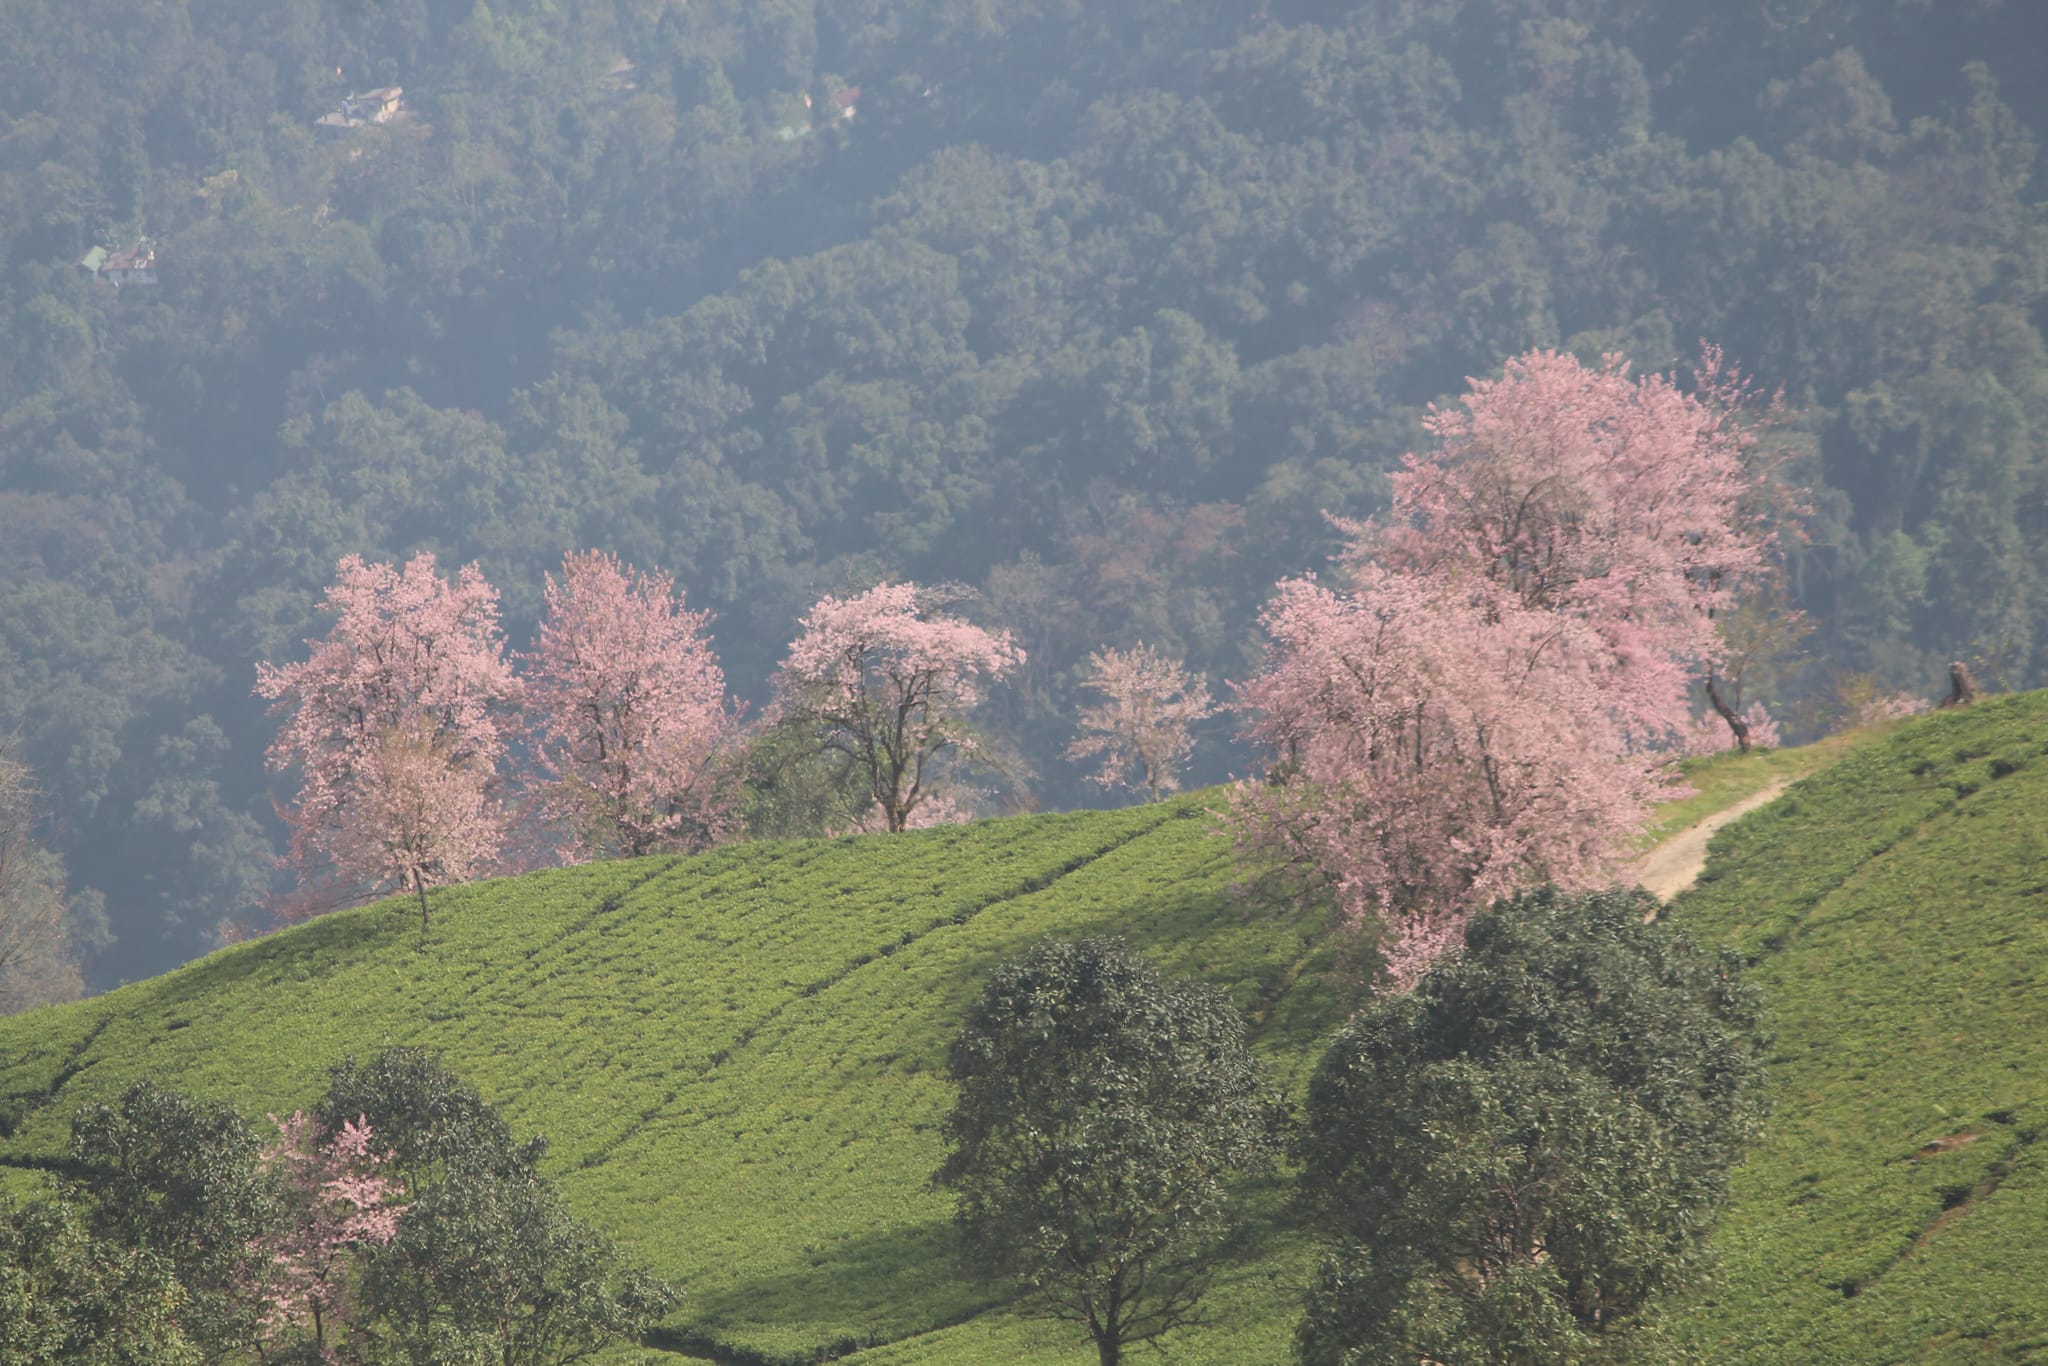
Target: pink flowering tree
[632,731]
[887,680]
[336,1204]
[1480,700]
[1141,726]
[396,724]
[1434,753]
[1626,503]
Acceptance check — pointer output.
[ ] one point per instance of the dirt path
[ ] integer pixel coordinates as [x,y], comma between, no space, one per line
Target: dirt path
[1671,867]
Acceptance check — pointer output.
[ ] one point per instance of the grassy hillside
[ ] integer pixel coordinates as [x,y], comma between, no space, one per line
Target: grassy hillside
[1896,908]
[738,1056]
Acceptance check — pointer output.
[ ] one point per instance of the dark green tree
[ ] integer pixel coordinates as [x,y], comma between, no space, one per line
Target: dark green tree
[1101,1108]
[1533,1143]
[488,1264]
[422,1115]
[68,1296]
[179,1178]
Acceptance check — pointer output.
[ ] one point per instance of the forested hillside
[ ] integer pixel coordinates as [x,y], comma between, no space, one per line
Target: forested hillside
[1095,309]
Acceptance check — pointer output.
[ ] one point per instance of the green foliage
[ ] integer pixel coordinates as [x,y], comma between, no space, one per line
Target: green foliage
[425,1118]
[1101,1109]
[795,790]
[738,1058]
[68,1296]
[489,1266]
[177,1178]
[1533,1144]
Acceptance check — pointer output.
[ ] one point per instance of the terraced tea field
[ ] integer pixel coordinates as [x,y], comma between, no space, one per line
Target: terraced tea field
[738,1057]
[1895,906]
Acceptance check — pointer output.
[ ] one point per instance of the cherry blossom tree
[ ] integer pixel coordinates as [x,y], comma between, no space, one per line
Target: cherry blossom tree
[1626,503]
[1435,753]
[1477,703]
[336,1203]
[1149,702]
[632,731]
[886,679]
[396,722]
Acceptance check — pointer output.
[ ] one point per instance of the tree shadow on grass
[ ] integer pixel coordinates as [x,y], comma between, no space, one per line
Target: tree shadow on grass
[894,1284]
[858,1292]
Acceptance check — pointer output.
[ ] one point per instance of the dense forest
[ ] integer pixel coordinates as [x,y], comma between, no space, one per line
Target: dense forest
[1095,310]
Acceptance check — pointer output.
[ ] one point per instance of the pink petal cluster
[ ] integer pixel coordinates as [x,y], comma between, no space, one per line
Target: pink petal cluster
[1476,705]
[1894,707]
[890,682]
[1438,751]
[632,733]
[396,722]
[1142,725]
[1625,503]
[336,1203]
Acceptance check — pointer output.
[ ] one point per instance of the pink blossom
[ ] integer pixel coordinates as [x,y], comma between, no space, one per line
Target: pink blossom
[395,722]
[336,1203]
[632,731]
[890,682]
[1142,724]
[1477,704]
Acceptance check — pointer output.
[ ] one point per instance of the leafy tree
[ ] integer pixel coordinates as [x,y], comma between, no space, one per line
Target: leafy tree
[795,790]
[393,721]
[423,1115]
[630,713]
[180,1179]
[68,1296]
[1533,1143]
[488,1265]
[1101,1107]
[888,681]
[1142,723]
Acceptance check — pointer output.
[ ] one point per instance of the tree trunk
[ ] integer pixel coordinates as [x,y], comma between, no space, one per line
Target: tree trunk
[1727,713]
[421,884]
[1962,686]
[1109,1348]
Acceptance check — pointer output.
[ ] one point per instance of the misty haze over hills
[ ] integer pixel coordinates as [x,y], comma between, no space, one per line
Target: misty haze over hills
[1095,309]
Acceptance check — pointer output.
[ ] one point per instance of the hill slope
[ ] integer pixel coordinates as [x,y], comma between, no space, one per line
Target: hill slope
[1895,906]
[737,1056]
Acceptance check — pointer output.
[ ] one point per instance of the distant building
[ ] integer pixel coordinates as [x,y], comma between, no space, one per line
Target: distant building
[360,111]
[135,266]
[846,101]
